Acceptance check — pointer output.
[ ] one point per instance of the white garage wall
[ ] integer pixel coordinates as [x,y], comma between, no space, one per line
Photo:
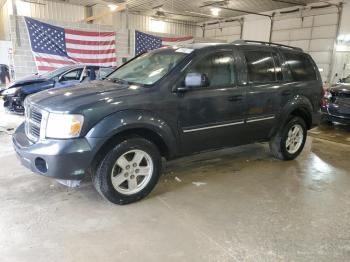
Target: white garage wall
[341,65]
[312,30]
[4,22]
[51,11]
[228,31]
[41,10]
[122,20]
[256,28]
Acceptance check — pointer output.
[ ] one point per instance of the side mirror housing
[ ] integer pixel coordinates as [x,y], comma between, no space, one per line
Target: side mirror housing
[194,80]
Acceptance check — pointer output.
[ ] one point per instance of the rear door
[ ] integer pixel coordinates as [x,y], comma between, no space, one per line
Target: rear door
[266,90]
[212,117]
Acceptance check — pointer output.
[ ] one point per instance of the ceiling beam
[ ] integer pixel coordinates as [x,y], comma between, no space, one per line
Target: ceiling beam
[120,7]
[290,2]
[240,11]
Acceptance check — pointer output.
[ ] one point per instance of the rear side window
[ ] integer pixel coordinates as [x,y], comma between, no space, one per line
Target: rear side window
[300,66]
[261,66]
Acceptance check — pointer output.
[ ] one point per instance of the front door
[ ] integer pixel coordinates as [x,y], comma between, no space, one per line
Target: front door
[70,78]
[212,116]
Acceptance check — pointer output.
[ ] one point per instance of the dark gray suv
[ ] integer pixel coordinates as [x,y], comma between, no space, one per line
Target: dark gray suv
[171,102]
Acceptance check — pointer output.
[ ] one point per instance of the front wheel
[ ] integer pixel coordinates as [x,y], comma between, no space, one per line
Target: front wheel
[129,171]
[289,141]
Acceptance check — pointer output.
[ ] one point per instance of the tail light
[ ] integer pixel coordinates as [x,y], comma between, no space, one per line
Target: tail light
[325,98]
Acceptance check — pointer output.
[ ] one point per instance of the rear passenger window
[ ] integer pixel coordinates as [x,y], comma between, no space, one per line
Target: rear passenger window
[261,66]
[300,66]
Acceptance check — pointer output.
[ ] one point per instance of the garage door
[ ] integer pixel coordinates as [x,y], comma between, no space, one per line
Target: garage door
[314,30]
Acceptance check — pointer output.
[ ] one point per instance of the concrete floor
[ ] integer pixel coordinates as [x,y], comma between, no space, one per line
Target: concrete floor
[230,205]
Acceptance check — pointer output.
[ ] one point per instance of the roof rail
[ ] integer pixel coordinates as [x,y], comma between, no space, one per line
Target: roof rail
[242,42]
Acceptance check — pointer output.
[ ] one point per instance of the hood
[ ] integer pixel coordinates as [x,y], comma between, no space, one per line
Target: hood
[340,88]
[27,81]
[95,95]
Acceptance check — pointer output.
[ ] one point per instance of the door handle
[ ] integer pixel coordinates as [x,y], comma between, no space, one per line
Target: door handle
[235,98]
[286,93]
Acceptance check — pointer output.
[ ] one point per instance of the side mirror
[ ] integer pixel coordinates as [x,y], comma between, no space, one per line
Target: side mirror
[193,80]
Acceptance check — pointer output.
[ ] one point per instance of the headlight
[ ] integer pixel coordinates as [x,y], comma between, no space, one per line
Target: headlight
[10,91]
[64,125]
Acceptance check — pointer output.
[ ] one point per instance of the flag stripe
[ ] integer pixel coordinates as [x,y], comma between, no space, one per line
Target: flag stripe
[89,43]
[88,33]
[89,47]
[53,60]
[94,56]
[46,68]
[95,61]
[90,38]
[176,39]
[91,52]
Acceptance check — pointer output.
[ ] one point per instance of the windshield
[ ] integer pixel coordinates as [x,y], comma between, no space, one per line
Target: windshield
[347,80]
[149,67]
[56,72]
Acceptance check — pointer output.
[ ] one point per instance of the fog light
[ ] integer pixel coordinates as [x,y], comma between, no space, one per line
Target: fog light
[41,165]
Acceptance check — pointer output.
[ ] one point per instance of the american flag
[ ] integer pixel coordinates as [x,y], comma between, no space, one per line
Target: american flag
[145,42]
[54,46]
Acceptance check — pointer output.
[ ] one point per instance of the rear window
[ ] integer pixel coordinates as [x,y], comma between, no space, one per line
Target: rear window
[261,67]
[300,66]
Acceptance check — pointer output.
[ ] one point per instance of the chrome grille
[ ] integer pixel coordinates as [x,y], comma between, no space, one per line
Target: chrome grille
[33,122]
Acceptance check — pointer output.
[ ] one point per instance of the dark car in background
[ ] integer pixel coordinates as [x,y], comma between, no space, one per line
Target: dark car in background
[63,77]
[4,76]
[336,103]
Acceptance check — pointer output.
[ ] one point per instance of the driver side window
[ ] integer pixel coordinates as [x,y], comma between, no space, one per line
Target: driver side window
[218,68]
[72,75]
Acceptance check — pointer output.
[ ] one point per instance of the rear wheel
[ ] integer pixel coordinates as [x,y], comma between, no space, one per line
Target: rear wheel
[129,171]
[289,141]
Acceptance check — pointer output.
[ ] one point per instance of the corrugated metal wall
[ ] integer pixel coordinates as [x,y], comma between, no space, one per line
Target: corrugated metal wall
[312,30]
[228,31]
[4,22]
[51,11]
[143,23]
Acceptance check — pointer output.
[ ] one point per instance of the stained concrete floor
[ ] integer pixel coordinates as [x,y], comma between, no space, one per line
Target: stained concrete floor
[231,205]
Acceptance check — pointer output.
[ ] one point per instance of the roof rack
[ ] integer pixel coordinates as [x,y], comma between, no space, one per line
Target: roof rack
[242,42]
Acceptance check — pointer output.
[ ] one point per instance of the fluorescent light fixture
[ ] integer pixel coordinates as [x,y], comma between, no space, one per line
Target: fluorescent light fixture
[112,7]
[215,11]
[157,26]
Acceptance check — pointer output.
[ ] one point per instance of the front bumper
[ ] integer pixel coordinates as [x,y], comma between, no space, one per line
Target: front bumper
[13,103]
[66,159]
[342,119]
[337,119]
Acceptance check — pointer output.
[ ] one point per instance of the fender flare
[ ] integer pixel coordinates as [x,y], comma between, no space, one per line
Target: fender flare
[296,103]
[125,120]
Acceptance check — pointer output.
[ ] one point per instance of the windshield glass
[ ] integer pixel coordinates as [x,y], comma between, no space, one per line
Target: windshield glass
[56,72]
[149,67]
[347,80]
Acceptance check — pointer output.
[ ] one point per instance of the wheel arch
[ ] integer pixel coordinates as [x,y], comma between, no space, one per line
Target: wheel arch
[299,106]
[125,124]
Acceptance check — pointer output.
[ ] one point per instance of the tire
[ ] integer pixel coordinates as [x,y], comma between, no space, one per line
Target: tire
[120,164]
[278,143]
